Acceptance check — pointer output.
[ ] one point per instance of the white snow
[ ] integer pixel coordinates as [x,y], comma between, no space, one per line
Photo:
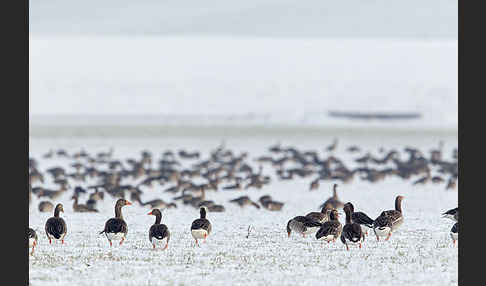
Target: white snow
[420,252]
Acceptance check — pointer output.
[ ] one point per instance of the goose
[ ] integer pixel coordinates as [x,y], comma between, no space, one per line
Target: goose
[268,203]
[389,220]
[32,239]
[81,208]
[331,229]
[333,201]
[452,214]
[243,201]
[352,232]
[56,228]
[158,233]
[314,185]
[321,216]
[455,233]
[302,225]
[116,228]
[361,218]
[46,206]
[201,227]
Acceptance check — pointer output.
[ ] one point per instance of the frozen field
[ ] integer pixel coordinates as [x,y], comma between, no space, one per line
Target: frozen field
[419,253]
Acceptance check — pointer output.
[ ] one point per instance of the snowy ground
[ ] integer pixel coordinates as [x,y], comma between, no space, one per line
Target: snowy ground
[420,253]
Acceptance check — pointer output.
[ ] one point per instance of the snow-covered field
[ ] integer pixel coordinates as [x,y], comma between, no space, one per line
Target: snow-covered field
[419,253]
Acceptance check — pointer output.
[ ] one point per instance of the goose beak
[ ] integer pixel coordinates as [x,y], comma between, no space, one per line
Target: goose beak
[129,203]
[150,213]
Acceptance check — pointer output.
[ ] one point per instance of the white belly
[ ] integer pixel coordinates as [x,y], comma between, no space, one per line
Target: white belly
[455,236]
[199,233]
[159,242]
[382,231]
[364,228]
[327,238]
[115,236]
[56,239]
[31,242]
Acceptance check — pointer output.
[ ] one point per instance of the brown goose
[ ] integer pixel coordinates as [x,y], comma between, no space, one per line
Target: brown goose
[314,185]
[243,201]
[321,216]
[267,202]
[56,228]
[352,232]
[158,233]
[46,206]
[81,208]
[389,220]
[302,225]
[331,229]
[201,227]
[333,201]
[116,228]
[32,239]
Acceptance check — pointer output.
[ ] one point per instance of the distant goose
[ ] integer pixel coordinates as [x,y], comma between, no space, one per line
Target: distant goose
[331,229]
[321,216]
[302,225]
[361,218]
[46,206]
[116,228]
[32,239]
[314,185]
[80,208]
[159,233]
[455,233]
[333,201]
[389,220]
[452,214]
[56,228]
[352,232]
[201,227]
[243,201]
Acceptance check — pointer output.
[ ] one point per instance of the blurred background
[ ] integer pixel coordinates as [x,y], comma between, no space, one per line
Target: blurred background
[326,66]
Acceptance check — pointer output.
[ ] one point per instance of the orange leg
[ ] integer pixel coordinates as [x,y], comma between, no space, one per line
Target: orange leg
[62,241]
[360,245]
[50,242]
[111,244]
[347,247]
[454,243]
[205,236]
[165,247]
[122,240]
[377,238]
[388,237]
[303,235]
[153,245]
[197,243]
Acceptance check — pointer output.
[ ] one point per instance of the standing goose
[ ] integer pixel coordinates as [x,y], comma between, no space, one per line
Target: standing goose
[361,218]
[116,228]
[302,225]
[333,201]
[158,233]
[32,239]
[352,232]
[331,229]
[454,233]
[201,227]
[321,216]
[389,220]
[452,214]
[56,226]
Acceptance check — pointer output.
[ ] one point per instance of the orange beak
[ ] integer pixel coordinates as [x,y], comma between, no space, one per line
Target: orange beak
[128,203]
[150,213]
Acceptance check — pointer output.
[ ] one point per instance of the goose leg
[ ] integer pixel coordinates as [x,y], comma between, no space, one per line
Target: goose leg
[347,247]
[165,247]
[388,236]
[122,240]
[111,244]
[153,245]
[360,245]
[205,236]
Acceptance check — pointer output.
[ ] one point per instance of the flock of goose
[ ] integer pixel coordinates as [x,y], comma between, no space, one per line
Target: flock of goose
[226,171]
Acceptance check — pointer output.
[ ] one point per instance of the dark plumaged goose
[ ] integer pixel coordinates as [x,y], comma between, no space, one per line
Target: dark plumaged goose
[56,228]
[302,225]
[32,239]
[116,228]
[361,218]
[333,201]
[159,234]
[452,214]
[46,206]
[388,221]
[352,232]
[201,227]
[455,233]
[216,208]
[243,201]
[331,229]
[314,185]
